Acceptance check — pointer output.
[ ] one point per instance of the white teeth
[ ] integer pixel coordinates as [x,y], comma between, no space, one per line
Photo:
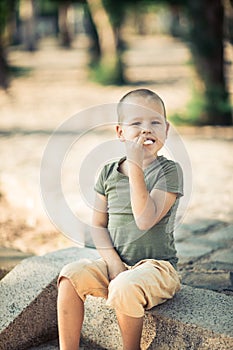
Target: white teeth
[148,142]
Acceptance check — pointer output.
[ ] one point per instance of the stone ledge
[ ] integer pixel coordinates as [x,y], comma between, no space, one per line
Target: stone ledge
[28,298]
[195,319]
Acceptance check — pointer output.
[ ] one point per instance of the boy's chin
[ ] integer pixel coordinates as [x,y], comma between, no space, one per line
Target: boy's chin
[150,152]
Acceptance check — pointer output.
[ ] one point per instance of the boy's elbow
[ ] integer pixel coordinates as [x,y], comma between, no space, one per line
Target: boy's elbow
[144,225]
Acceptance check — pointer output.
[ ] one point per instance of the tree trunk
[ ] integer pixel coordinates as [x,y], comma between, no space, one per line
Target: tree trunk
[28,18]
[207,18]
[4,81]
[104,29]
[90,29]
[6,10]
[110,61]
[64,24]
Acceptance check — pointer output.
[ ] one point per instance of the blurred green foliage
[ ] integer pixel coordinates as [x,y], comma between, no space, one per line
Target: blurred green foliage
[6,9]
[17,72]
[107,74]
[3,11]
[192,114]
[205,36]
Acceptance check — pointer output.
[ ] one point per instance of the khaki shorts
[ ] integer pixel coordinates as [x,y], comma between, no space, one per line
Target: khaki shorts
[144,285]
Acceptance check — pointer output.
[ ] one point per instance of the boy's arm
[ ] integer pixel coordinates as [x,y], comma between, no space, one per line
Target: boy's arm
[148,208]
[101,237]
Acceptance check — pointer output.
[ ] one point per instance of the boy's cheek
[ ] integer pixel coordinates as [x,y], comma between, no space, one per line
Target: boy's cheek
[162,135]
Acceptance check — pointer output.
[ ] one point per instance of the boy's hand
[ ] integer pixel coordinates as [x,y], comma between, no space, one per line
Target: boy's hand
[114,269]
[135,151]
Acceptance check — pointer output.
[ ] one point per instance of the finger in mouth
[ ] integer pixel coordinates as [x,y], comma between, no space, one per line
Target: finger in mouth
[148,142]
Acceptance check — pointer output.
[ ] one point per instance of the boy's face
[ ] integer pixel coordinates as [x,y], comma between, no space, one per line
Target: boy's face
[145,120]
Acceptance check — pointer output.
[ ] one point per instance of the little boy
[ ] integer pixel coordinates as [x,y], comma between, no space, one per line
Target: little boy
[133,222]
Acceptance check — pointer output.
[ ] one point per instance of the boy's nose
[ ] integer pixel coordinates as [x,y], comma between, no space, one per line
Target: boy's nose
[145,130]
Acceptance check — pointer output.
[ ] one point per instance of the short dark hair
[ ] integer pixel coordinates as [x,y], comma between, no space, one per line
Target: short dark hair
[145,93]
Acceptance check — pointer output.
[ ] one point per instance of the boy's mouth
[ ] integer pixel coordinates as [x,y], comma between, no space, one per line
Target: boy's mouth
[149,142]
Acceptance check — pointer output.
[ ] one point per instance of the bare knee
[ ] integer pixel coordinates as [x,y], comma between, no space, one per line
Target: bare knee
[66,289]
[64,283]
[79,267]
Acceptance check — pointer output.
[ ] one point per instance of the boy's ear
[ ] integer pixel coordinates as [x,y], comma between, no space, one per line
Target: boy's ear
[120,133]
[167,128]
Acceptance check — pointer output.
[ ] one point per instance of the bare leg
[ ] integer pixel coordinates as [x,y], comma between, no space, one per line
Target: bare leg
[131,331]
[70,311]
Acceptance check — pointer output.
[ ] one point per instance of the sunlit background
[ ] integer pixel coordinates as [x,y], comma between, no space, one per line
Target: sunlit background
[58,58]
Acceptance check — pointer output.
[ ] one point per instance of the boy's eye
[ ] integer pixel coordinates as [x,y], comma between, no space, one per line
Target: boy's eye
[155,122]
[136,123]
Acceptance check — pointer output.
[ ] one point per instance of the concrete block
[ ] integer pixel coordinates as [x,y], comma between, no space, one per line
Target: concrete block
[51,345]
[187,251]
[218,281]
[101,328]
[182,233]
[195,319]
[9,257]
[223,234]
[204,226]
[216,265]
[224,256]
[28,298]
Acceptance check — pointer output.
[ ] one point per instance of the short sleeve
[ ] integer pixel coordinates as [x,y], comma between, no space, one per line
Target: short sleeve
[170,179]
[99,185]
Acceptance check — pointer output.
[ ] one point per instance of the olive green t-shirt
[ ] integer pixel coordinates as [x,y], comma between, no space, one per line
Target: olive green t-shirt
[131,243]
